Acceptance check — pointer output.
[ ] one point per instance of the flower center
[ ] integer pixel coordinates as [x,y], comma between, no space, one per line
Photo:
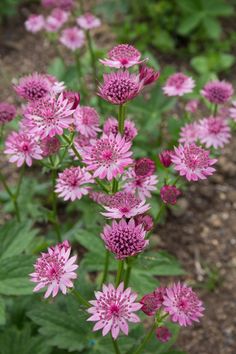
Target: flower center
[114,310]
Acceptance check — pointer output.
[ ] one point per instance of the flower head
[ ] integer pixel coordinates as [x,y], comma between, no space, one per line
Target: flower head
[169,194]
[7,112]
[142,186]
[214,131]
[73,38]
[120,87]
[62,4]
[72,97]
[218,92]
[144,167]
[193,162]
[111,127]
[33,87]
[55,270]
[122,56]
[73,182]
[148,75]
[192,106]
[50,146]
[189,133]
[124,239]
[23,148]
[56,20]
[163,334]
[124,205]
[165,158]
[183,304]
[146,220]
[88,21]
[82,144]
[151,303]
[108,156]
[178,84]
[34,23]
[113,308]
[87,121]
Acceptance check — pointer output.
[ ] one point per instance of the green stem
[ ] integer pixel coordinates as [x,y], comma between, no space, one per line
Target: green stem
[80,74]
[106,266]
[127,275]
[115,185]
[162,207]
[80,298]
[7,189]
[145,340]
[119,272]
[215,108]
[2,131]
[92,57]
[115,345]
[121,118]
[71,144]
[54,206]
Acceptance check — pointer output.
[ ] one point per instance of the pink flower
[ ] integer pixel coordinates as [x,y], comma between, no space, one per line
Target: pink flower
[62,4]
[108,156]
[34,23]
[192,106]
[73,38]
[232,111]
[183,304]
[152,302]
[148,75]
[163,334]
[111,127]
[55,270]
[50,146]
[165,158]
[142,186]
[33,87]
[178,84]
[7,112]
[48,116]
[214,131]
[113,308]
[22,148]
[189,133]
[124,239]
[88,21]
[82,144]
[146,220]
[169,194]
[193,162]
[144,167]
[87,121]
[122,56]
[218,92]
[72,97]
[73,182]
[124,205]
[100,197]
[120,87]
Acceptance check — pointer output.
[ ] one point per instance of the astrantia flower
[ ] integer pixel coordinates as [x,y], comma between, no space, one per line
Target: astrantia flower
[7,112]
[22,148]
[73,38]
[88,21]
[178,84]
[82,144]
[148,75]
[193,162]
[119,87]
[189,133]
[122,56]
[183,304]
[144,167]
[72,97]
[163,334]
[192,106]
[108,156]
[124,239]
[62,4]
[100,197]
[61,15]
[55,270]
[232,111]
[169,194]
[87,121]
[214,131]
[50,146]
[146,220]
[150,304]
[73,183]
[113,308]
[142,186]
[218,92]
[48,116]
[33,87]
[111,127]
[34,23]
[124,205]
[165,158]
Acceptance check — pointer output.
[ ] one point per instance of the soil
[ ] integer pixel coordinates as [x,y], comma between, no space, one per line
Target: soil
[200,233]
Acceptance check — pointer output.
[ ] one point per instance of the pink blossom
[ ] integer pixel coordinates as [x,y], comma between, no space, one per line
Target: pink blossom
[22,148]
[122,56]
[169,194]
[183,304]
[165,158]
[144,167]
[73,97]
[192,106]
[33,87]
[178,84]
[113,308]
[124,239]
[73,38]
[82,144]
[87,121]
[88,21]
[34,23]
[146,220]
[73,183]
[62,4]
[120,87]
[124,205]
[7,112]
[148,75]
[217,92]
[189,133]
[111,127]
[214,131]
[142,186]
[55,270]
[108,156]
[100,197]
[163,334]
[50,146]
[232,111]
[152,302]
[193,162]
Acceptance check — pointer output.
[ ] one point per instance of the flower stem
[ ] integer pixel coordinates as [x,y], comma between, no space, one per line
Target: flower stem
[80,74]
[159,214]
[92,57]
[114,185]
[115,345]
[106,266]
[145,340]
[121,119]
[71,144]
[127,274]
[80,298]
[119,272]
[54,205]
[215,108]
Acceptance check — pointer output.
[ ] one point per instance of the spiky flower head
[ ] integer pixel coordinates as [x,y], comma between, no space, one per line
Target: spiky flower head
[165,157]
[192,106]
[87,121]
[218,92]
[72,97]
[34,23]
[124,239]
[119,87]
[163,334]
[189,133]
[183,304]
[148,75]
[108,156]
[88,21]
[178,84]
[122,56]
[113,309]
[193,162]
[73,38]
[214,131]
[144,167]
[146,220]
[22,148]
[50,146]
[7,112]
[33,87]
[55,270]
[111,127]
[73,183]
[169,194]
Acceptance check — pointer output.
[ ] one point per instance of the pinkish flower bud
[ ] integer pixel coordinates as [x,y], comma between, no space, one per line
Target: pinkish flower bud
[146,220]
[150,304]
[7,112]
[165,158]
[147,75]
[144,167]
[50,146]
[192,106]
[169,194]
[163,334]
[72,97]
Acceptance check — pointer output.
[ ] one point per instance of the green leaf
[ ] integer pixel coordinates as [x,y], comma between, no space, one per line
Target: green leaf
[212,28]
[2,312]
[190,22]
[142,281]
[90,240]
[57,68]
[94,261]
